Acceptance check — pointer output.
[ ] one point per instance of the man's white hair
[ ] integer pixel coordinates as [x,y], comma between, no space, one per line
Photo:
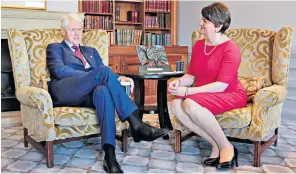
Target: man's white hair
[71,16]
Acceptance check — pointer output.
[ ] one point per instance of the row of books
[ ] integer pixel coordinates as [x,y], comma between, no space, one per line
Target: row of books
[134,37]
[125,37]
[157,5]
[159,21]
[98,22]
[95,6]
[151,39]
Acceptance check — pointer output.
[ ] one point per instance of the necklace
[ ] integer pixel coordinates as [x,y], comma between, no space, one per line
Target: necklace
[213,48]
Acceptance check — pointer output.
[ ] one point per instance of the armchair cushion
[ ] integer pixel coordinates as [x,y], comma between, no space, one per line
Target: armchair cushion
[251,84]
[63,132]
[80,116]
[236,118]
[74,116]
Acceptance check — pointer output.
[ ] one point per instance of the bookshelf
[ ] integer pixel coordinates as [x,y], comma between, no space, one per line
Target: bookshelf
[133,22]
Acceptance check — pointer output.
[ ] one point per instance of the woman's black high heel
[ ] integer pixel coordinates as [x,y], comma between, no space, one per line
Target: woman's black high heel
[211,161]
[229,164]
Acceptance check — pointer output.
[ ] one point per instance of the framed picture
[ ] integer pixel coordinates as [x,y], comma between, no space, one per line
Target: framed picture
[24,4]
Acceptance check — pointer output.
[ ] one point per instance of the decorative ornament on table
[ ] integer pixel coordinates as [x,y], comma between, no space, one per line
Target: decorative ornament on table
[155,54]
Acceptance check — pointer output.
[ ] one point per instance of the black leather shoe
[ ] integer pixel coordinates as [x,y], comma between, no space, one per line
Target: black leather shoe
[111,165]
[148,133]
[229,164]
[211,161]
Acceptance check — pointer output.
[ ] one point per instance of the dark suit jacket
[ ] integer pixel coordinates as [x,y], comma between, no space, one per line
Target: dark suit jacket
[65,68]
[62,62]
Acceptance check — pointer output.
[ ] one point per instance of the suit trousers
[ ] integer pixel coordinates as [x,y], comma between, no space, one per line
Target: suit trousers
[100,89]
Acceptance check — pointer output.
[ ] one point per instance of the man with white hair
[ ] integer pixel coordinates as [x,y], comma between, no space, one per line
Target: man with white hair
[79,78]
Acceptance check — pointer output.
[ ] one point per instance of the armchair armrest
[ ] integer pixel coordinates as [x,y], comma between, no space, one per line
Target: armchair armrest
[41,100]
[266,114]
[275,95]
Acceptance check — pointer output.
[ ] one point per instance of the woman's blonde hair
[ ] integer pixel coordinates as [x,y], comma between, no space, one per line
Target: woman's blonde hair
[71,16]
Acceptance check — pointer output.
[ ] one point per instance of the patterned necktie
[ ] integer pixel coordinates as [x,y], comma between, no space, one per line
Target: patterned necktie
[79,54]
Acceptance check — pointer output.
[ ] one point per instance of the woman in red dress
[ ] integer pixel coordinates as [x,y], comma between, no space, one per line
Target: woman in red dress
[213,69]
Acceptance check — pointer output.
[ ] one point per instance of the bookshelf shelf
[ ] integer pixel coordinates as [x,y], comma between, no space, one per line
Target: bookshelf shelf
[144,22]
[141,1]
[155,12]
[127,23]
[99,14]
[157,29]
[97,29]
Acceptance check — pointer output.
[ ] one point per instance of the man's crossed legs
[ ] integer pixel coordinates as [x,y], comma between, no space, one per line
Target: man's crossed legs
[100,89]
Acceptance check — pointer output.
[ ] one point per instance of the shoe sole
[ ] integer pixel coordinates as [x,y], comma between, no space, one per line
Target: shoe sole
[106,169]
[211,165]
[164,134]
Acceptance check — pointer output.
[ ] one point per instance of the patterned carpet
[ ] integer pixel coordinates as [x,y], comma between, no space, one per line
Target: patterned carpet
[145,157]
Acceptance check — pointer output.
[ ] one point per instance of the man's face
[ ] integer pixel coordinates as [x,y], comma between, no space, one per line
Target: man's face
[73,33]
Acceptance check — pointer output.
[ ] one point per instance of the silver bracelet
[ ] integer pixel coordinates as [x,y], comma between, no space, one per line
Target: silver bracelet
[186,92]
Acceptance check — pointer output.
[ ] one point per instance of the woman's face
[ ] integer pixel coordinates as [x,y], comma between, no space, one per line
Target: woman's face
[207,27]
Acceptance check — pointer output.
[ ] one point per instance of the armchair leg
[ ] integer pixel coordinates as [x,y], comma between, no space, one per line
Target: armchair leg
[257,153]
[25,137]
[177,141]
[124,141]
[49,151]
[276,133]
